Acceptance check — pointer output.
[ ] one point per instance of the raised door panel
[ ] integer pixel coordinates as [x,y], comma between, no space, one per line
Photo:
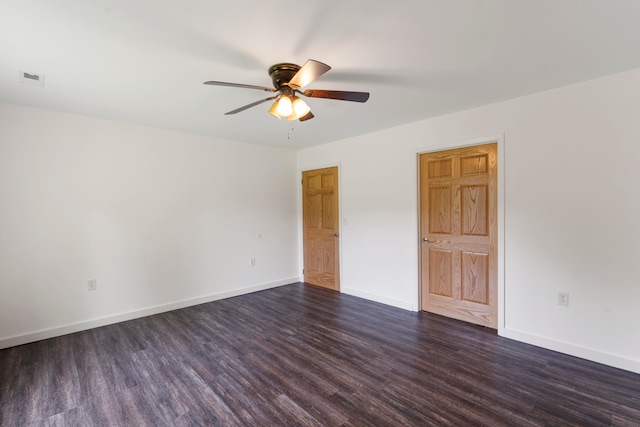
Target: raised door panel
[328,256]
[440,210]
[440,168]
[314,251]
[474,205]
[441,276]
[328,221]
[313,211]
[475,277]
[476,164]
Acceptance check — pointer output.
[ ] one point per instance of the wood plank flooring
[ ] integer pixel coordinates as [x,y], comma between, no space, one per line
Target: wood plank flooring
[302,355]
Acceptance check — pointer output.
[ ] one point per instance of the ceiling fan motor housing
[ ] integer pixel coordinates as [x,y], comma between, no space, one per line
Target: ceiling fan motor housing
[281,74]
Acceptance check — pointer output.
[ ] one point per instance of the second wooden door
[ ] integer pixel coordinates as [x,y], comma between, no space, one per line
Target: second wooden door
[320,227]
[458,223]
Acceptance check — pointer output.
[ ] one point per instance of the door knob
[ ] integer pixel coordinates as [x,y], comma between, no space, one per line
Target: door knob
[425,240]
[336,235]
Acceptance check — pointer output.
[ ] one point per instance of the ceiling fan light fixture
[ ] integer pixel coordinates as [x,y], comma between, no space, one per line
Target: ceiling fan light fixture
[289,106]
[289,79]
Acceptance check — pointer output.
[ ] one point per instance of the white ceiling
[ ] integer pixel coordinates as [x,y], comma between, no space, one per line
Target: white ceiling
[144,61]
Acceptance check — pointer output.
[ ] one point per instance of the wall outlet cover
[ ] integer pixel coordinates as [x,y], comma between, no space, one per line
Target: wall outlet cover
[563,298]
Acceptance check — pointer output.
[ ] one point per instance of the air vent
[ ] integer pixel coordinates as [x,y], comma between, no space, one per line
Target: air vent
[32,79]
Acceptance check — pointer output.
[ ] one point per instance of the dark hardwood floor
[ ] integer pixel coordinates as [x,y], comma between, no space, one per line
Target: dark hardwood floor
[301,355]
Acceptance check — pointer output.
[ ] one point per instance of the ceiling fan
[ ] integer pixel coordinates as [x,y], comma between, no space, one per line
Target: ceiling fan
[289,80]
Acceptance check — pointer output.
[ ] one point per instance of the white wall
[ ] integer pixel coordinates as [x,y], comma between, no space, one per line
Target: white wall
[160,219]
[572,206]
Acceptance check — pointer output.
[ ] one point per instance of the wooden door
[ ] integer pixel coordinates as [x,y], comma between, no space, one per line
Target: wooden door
[458,223]
[320,227]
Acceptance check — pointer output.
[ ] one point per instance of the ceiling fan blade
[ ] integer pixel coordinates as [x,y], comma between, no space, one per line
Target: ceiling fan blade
[310,71]
[337,94]
[253,104]
[213,83]
[306,117]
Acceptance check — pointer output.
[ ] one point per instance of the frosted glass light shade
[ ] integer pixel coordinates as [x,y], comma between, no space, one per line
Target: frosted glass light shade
[273,109]
[300,108]
[284,108]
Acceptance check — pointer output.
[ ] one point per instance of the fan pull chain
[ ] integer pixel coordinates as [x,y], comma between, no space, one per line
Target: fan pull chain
[289,133]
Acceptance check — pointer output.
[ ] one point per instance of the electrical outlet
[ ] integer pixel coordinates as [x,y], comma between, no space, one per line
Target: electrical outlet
[92,285]
[253,262]
[563,298]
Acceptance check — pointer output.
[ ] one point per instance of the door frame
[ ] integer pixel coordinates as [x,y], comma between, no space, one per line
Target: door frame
[500,140]
[300,219]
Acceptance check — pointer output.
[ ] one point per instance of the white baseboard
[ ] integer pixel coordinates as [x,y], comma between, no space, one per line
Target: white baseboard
[130,315]
[573,350]
[405,305]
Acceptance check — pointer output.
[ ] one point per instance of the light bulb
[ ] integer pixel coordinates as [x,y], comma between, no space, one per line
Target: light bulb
[300,107]
[284,107]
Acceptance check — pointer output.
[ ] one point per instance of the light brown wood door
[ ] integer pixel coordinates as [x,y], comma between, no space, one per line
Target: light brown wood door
[320,227]
[458,223]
